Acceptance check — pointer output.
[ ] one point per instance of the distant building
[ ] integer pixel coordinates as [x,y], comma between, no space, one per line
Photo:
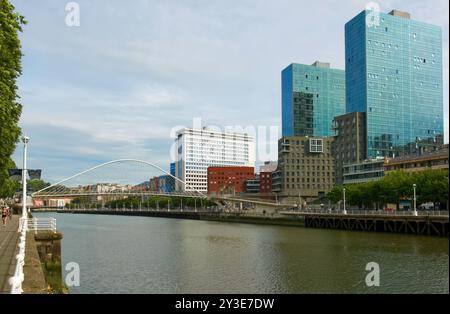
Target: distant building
[394,74]
[265,177]
[349,146]
[154,184]
[365,171]
[166,184]
[312,95]
[172,169]
[229,180]
[199,149]
[305,168]
[252,186]
[268,166]
[162,184]
[430,160]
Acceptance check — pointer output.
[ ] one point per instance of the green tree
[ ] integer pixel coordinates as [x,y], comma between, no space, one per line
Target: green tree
[36,185]
[335,195]
[10,109]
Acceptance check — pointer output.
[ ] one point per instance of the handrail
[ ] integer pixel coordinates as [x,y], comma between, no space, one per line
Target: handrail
[16,280]
[422,213]
[25,224]
[42,224]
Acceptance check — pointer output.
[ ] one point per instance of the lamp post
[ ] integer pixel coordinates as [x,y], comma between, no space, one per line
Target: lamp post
[344,211]
[25,140]
[415,208]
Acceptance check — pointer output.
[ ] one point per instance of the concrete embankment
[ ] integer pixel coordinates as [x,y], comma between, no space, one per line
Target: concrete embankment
[42,268]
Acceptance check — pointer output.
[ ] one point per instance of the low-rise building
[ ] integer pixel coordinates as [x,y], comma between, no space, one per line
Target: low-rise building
[365,171]
[228,180]
[252,186]
[162,184]
[305,168]
[429,160]
[265,177]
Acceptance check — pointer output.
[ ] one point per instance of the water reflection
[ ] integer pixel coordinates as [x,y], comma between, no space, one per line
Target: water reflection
[119,254]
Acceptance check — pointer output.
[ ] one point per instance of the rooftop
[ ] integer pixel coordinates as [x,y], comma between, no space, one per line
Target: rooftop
[399,13]
[438,154]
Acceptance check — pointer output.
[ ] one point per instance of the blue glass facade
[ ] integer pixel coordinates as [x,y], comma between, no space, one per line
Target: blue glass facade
[315,90]
[172,169]
[166,184]
[394,74]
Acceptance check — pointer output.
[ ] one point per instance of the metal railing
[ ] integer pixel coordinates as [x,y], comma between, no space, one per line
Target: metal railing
[16,280]
[368,212]
[42,224]
[25,224]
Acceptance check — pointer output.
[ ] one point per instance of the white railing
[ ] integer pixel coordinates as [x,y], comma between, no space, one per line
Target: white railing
[16,280]
[25,224]
[42,224]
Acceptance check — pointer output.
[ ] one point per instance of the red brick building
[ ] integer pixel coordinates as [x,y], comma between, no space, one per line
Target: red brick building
[228,180]
[265,182]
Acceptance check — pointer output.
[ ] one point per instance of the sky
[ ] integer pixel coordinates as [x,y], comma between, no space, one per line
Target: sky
[133,71]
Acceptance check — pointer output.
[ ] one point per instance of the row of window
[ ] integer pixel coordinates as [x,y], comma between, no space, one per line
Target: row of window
[307,180]
[308,186]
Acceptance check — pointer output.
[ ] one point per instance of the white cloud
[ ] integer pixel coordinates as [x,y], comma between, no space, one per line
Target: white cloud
[134,70]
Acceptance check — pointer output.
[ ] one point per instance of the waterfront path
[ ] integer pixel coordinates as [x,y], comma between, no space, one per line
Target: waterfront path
[9,238]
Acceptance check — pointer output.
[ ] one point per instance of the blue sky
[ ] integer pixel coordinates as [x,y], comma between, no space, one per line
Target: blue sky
[115,86]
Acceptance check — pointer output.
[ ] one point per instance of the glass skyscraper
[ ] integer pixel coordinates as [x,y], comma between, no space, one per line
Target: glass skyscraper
[312,95]
[394,74]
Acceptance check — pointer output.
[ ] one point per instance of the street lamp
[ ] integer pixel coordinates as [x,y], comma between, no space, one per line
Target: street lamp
[415,208]
[344,210]
[25,140]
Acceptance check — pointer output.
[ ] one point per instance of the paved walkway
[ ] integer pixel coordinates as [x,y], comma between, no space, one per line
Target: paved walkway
[9,238]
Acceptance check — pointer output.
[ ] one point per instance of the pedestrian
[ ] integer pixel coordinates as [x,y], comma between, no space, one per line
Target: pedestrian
[10,213]
[4,216]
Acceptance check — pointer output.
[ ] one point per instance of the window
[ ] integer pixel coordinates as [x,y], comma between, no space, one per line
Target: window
[316,146]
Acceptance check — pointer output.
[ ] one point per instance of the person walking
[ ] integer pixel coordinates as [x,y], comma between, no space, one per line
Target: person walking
[4,216]
[10,213]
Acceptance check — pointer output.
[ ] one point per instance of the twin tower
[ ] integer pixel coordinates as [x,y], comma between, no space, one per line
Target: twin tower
[393,77]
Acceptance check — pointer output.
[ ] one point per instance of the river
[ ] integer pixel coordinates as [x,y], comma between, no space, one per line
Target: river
[120,254]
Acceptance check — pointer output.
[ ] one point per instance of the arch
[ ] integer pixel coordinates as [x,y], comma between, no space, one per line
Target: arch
[201,195]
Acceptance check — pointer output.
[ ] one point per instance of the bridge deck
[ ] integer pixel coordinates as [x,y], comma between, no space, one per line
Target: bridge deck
[9,238]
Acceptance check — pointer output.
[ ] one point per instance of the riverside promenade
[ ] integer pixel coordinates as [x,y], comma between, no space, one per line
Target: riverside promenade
[9,238]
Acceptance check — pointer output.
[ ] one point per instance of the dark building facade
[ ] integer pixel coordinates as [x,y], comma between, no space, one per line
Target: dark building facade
[349,145]
[305,168]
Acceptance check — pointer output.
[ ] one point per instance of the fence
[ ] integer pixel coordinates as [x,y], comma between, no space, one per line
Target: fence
[369,212]
[16,280]
[42,224]
[35,224]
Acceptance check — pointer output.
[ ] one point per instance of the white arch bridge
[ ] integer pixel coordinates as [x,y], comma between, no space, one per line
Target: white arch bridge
[111,181]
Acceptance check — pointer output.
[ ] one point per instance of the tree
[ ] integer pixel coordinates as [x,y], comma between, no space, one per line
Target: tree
[10,109]
[36,185]
[335,195]
[432,186]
